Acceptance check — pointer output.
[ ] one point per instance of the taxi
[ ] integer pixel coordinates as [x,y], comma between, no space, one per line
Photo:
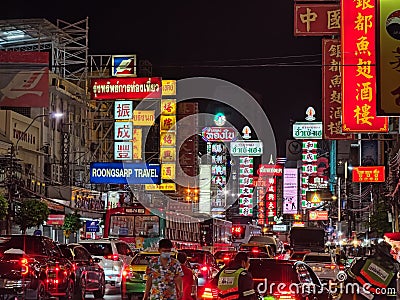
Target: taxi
[134,275]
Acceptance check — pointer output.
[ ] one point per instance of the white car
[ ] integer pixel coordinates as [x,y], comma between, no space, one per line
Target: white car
[115,255]
[323,264]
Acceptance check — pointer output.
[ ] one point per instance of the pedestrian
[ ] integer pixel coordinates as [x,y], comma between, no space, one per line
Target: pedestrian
[235,281]
[187,279]
[164,275]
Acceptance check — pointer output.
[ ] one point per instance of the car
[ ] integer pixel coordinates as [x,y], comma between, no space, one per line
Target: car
[223,257]
[89,275]
[286,279]
[115,255]
[33,267]
[134,276]
[277,280]
[204,265]
[256,247]
[323,264]
[298,255]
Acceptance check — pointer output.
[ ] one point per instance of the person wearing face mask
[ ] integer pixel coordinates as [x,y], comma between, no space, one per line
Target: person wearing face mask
[235,281]
[164,275]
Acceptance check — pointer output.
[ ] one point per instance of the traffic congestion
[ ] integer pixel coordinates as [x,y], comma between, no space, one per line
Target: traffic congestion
[304,266]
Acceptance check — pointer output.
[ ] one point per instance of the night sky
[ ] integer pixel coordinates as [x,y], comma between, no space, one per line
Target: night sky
[251,45]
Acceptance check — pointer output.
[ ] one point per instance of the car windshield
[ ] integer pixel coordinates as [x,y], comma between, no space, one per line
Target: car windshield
[143,259]
[273,271]
[29,244]
[195,257]
[317,258]
[98,249]
[65,251]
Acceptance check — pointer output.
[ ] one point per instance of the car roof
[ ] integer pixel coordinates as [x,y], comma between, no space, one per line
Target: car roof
[317,254]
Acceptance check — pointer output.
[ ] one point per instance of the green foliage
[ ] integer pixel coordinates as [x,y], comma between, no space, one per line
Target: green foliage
[379,218]
[3,207]
[30,213]
[72,223]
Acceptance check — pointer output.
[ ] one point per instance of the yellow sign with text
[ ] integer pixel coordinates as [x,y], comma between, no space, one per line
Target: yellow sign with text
[170,186]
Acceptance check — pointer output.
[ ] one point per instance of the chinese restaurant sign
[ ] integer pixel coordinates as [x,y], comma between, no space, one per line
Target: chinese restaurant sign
[125,88]
[368,174]
[332,91]
[359,68]
[388,62]
[316,19]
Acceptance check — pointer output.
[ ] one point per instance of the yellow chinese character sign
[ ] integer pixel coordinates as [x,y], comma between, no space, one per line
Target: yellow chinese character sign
[168,171]
[167,123]
[168,107]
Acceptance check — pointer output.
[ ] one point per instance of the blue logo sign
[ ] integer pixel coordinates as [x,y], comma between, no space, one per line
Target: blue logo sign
[92,226]
[124,173]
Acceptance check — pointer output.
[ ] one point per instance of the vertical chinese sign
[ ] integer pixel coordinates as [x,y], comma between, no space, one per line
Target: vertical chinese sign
[308,169]
[123,130]
[332,91]
[388,62]
[168,131]
[246,186]
[359,68]
[260,186]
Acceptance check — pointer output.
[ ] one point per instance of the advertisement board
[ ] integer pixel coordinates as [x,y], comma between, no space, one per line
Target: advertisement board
[124,173]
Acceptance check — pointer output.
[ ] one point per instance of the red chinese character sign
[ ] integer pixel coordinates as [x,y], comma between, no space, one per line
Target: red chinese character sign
[316,19]
[332,91]
[359,68]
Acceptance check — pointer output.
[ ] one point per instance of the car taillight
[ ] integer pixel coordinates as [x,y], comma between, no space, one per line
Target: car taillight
[285,295]
[204,268]
[210,293]
[255,250]
[126,271]
[341,267]
[113,257]
[24,266]
[226,258]
[330,266]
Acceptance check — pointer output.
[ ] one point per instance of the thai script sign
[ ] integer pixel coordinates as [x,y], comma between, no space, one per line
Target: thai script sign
[247,148]
[125,88]
[219,134]
[307,130]
[368,174]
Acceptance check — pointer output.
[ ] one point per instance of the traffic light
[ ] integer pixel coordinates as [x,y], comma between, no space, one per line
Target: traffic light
[238,232]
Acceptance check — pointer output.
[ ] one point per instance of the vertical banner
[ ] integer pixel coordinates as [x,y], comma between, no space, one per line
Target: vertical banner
[246,186]
[332,91]
[388,62]
[359,68]
[290,191]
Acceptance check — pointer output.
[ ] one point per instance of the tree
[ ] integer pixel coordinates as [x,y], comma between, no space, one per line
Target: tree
[379,222]
[3,207]
[30,213]
[72,223]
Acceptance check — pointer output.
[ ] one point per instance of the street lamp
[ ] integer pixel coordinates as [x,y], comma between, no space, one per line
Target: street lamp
[13,152]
